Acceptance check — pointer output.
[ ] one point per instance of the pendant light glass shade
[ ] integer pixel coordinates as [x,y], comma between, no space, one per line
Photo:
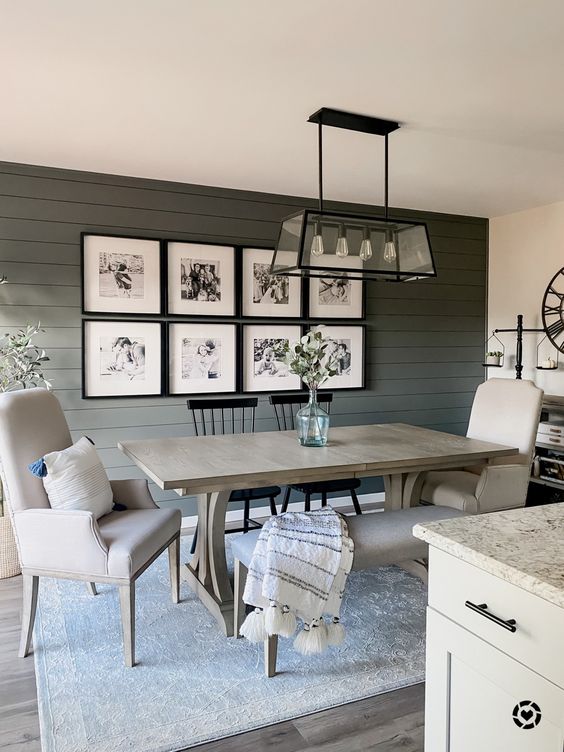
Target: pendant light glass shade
[410,258]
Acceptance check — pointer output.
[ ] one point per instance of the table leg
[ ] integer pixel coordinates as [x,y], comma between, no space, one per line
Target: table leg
[412,489]
[207,572]
[393,487]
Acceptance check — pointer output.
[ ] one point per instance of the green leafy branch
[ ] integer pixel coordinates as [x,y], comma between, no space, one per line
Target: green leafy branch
[21,362]
[310,360]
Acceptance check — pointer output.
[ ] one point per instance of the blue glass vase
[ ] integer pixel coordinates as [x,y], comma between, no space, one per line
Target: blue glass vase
[312,423]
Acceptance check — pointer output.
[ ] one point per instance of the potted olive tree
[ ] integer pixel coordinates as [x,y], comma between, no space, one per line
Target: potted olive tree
[21,366]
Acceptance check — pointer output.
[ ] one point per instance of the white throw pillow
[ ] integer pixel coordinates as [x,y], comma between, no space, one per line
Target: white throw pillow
[76,479]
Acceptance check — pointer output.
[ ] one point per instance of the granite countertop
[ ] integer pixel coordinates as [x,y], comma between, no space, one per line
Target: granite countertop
[523,546]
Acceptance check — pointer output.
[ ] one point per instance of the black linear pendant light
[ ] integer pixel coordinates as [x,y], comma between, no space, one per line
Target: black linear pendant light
[318,243]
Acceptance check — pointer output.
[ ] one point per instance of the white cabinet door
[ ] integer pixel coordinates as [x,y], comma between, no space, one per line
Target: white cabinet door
[478,698]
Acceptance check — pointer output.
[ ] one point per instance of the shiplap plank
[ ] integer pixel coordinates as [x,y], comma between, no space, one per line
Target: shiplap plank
[41,274]
[38,252]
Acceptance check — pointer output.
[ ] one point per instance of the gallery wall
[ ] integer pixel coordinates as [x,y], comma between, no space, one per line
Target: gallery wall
[424,339]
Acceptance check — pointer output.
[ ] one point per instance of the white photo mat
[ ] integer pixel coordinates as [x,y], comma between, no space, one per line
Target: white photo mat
[201,279]
[121,275]
[122,358]
[334,297]
[269,295]
[263,367]
[202,358]
[348,342]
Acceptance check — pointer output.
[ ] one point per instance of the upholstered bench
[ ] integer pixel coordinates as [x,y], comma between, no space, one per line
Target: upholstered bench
[380,539]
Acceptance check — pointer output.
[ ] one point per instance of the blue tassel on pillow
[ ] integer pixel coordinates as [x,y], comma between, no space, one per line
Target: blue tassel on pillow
[38,468]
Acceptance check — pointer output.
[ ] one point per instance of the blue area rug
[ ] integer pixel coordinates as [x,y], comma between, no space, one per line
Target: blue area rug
[193,685]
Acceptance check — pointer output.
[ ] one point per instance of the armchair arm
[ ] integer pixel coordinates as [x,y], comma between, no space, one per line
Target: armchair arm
[502,487]
[134,494]
[60,540]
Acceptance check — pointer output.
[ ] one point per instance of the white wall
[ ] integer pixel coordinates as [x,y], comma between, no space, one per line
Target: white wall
[526,250]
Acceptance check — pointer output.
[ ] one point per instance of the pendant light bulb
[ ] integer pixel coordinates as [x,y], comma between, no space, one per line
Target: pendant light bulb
[390,253]
[317,242]
[366,246]
[342,249]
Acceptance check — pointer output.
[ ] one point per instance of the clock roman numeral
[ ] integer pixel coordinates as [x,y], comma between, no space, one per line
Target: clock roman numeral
[552,291]
[552,310]
[555,329]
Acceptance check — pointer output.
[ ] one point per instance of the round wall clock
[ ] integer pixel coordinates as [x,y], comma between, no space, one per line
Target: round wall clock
[552,310]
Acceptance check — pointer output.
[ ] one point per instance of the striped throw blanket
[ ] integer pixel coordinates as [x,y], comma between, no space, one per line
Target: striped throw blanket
[298,571]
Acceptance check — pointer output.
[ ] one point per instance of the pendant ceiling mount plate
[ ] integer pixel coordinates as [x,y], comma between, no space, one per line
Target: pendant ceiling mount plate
[319,243]
[350,121]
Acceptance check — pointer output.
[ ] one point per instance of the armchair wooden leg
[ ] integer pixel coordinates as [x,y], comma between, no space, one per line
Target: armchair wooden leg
[270,654]
[30,592]
[174,568]
[240,578]
[307,505]
[127,605]
[91,587]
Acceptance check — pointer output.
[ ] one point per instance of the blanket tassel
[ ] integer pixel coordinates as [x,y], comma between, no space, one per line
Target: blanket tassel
[335,632]
[312,639]
[279,620]
[253,626]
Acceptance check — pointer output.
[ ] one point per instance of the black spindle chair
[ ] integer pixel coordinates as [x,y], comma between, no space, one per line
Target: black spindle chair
[285,409]
[213,417]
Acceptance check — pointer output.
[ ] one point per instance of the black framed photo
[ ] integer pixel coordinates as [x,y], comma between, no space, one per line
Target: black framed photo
[337,297]
[264,357]
[202,358]
[121,275]
[265,294]
[122,358]
[347,344]
[200,279]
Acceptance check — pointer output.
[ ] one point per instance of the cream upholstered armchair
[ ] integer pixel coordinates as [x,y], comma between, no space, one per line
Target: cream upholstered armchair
[72,544]
[506,412]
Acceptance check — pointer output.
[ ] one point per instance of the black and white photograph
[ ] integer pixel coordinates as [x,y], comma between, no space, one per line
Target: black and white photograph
[345,351]
[121,275]
[264,358]
[202,358]
[332,297]
[201,279]
[266,294]
[122,358]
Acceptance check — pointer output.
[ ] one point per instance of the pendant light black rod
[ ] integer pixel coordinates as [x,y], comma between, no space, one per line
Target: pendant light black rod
[386,176]
[320,158]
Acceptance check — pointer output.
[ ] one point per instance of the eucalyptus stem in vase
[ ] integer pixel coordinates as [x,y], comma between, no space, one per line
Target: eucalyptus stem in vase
[314,360]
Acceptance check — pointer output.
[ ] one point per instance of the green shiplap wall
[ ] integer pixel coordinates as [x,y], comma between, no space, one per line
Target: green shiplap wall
[424,339]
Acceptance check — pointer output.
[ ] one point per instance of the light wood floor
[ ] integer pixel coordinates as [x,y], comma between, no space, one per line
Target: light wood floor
[387,723]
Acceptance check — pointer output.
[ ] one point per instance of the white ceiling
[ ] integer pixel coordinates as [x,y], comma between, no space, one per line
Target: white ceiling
[218,92]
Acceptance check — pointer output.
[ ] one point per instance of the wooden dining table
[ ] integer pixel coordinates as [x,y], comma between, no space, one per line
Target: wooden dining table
[211,467]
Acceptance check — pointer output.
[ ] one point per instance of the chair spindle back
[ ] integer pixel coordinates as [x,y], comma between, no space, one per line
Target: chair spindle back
[214,417]
[287,405]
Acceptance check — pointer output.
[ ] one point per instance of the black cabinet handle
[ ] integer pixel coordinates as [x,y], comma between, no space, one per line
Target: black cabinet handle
[482,608]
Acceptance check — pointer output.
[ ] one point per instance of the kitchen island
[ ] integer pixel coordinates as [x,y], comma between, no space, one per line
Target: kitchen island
[495,632]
